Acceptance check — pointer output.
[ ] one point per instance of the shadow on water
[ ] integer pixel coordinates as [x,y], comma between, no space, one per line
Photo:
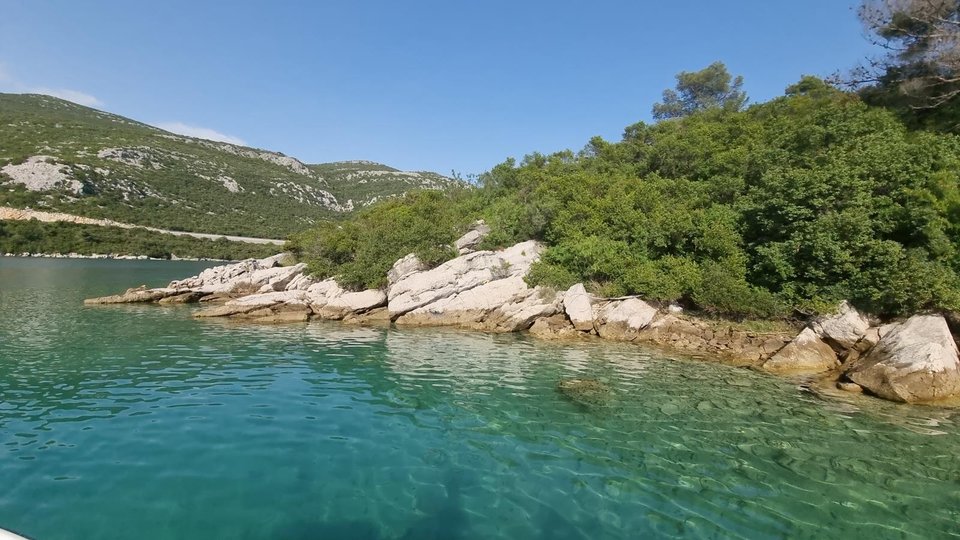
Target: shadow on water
[448,520]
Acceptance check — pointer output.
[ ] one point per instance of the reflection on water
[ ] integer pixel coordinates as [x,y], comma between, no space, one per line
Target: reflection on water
[138,421]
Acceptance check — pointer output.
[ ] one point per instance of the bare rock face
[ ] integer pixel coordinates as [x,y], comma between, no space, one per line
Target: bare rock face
[330,301]
[915,360]
[456,276]
[807,353]
[623,320]
[579,307]
[466,243]
[276,279]
[844,329]
[502,305]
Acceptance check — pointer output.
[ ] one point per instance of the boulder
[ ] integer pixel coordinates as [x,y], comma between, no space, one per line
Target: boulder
[806,354]
[915,360]
[461,274]
[842,330]
[554,327]
[466,243]
[623,319]
[403,268]
[578,306]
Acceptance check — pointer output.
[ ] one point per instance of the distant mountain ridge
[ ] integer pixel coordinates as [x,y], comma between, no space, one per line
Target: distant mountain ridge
[57,155]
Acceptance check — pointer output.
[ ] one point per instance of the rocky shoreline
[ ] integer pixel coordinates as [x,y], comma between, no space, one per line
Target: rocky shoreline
[913,360]
[112,256]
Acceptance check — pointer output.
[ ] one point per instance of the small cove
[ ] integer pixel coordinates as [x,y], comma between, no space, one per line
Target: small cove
[138,421]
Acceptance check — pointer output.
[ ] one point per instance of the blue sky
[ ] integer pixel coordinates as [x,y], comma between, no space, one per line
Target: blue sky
[420,85]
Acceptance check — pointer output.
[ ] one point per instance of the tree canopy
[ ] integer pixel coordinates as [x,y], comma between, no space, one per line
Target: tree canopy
[919,73]
[710,88]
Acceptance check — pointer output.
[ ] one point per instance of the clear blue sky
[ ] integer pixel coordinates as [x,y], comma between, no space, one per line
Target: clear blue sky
[423,85]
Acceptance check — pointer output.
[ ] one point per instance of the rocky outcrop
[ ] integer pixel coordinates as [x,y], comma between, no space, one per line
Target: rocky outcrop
[483,290]
[842,330]
[578,305]
[806,354]
[502,305]
[251,273]
[419,289]
[915,360]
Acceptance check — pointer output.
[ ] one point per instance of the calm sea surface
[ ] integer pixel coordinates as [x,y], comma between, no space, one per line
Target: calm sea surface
[139,422]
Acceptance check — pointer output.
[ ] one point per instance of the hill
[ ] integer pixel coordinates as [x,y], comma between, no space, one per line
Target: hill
[57,155]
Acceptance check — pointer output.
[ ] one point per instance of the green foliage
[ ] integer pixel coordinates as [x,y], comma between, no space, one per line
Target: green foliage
[37,237]
[710,88]
[360,251]
[794,204]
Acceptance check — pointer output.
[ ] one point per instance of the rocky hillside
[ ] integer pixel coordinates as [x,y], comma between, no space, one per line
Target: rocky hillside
[361,183]
[56,155]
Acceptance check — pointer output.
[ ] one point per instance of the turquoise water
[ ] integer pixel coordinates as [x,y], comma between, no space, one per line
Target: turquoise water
[140,422]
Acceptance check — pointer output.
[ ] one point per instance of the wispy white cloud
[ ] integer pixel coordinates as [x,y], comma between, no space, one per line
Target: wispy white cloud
[76,96]
[9,83]
[199,132]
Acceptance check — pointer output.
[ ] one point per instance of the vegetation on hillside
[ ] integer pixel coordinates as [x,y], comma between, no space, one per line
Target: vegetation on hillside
[131,172]
[793,204]
[37,237]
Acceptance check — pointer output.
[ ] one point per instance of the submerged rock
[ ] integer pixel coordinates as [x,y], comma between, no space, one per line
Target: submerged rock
[807,353]
[585,391]
[915,360]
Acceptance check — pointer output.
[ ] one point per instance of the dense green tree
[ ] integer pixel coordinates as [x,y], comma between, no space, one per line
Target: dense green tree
[794,204]
[710,88]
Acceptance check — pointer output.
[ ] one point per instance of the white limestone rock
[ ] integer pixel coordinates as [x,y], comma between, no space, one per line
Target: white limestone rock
[466,272]
[915,360]
[842,330]
[578,306]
